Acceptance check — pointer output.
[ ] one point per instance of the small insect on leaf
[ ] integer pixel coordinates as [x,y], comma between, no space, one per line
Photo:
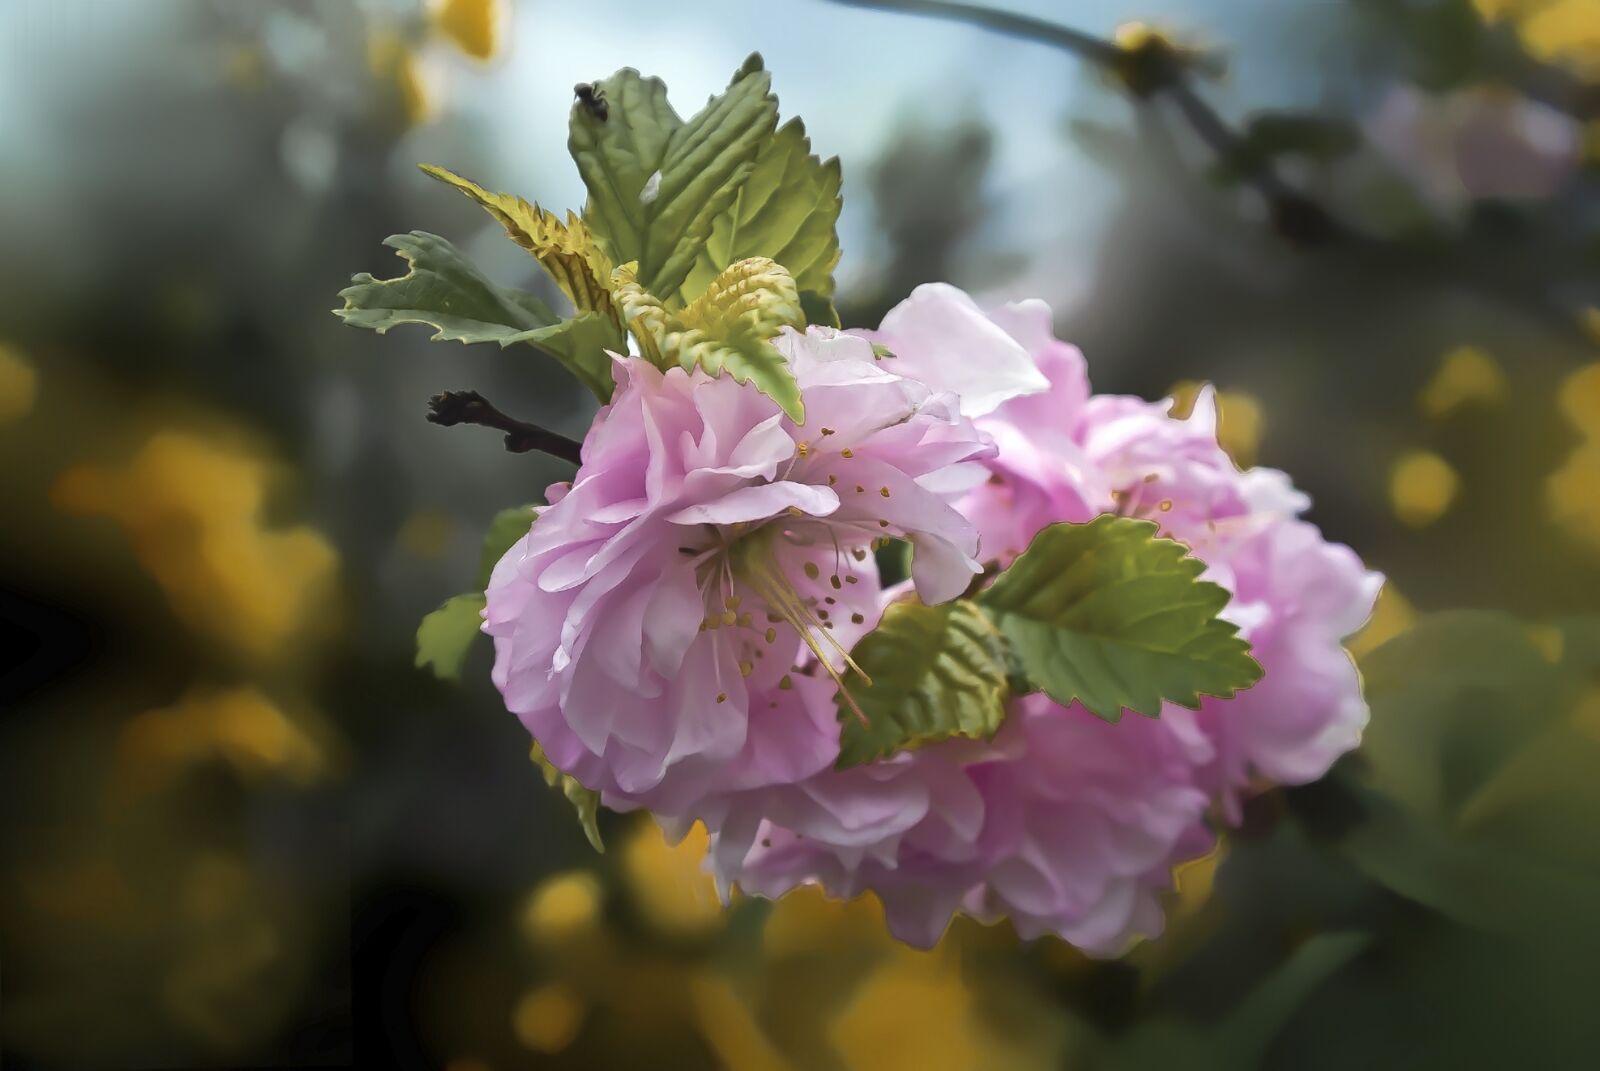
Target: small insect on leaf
[592,99]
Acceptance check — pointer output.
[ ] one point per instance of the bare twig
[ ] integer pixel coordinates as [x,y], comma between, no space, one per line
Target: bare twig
[1152,69]
[469,407]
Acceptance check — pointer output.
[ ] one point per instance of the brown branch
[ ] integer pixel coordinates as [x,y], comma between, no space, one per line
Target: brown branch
[1152,69]
[469,407]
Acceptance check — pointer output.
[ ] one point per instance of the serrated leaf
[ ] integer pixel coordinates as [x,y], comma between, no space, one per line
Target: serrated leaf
[585,802]
[656,184]
[443,290]
[445,636]
[728,328]
[566,249]
[617,156]
[508,526]
[937,672]
[787,211]
[1108,614]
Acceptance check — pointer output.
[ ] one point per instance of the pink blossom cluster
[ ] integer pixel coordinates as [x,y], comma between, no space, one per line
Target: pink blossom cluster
[675,629]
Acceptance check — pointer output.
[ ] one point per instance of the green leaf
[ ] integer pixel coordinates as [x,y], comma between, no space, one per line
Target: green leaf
[1108,614]
[443,290]
[582,344]
[445,636]
[585,801]
[617,156]
[787,211]
[662,221]
[728,328]
[818,309]
[937,672]
[1242,1038]
[508,526]
[1478,781]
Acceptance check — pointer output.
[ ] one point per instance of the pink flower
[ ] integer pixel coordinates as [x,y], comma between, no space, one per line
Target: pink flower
[1296,596]
[648,628]
[1472,144]
[1064,822]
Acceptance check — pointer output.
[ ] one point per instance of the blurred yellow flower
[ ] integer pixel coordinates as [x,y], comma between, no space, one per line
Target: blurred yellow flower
[805,920]
[19,385]
[226,968]
[917,1013]
[669,883]
[1572,495]
[1566,32]
[730,1029]
[192,507]
[1240,419]
[476,27]
[1586,713]
[1579,400]
[1466,376]
[1392,615]
[426,533]
[1422,485]
[564,906]
[212,885]
[390,59]
[548,1018]
[92,891]
[1591,157]
[238,726]
[1549,641]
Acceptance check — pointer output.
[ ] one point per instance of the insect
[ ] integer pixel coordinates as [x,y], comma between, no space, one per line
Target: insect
[593,99]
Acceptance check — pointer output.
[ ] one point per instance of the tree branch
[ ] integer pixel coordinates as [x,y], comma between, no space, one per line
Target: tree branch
[1153,68]
[469,407]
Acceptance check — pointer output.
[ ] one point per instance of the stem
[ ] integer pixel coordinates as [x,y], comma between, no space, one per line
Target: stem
[469,407]
[1145,73]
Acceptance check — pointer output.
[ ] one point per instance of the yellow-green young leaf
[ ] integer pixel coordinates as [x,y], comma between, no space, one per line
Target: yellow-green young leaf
[444,291]
[566,249]
[729,328]
[445,636]
[508,526]
[1108,614]
[657,184]
[787,211]
[642,312]
[585,802]
[937,672]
